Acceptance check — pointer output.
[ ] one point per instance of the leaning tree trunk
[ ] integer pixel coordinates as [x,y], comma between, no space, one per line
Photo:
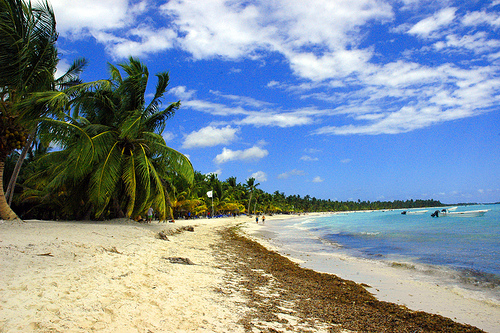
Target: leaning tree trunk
[249,202]
[6,213]
[9,194]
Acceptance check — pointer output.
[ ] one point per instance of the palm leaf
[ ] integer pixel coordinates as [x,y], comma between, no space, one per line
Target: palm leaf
[156,122]
[130,180]
[105,179]
[175,161]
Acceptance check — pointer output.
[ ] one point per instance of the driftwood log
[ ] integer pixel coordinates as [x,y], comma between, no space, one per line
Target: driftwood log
[162,235]
[179,260]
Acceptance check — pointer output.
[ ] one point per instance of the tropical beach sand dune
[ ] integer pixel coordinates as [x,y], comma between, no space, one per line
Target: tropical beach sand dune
[119,276]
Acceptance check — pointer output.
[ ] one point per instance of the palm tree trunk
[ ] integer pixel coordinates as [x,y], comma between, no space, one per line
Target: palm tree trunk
[249,202]
[9,194]
[6,213]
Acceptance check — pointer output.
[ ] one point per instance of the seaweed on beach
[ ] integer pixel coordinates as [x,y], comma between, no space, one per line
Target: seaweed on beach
[315,298]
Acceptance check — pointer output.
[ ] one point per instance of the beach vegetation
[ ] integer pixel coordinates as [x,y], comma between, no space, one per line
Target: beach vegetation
[28,60]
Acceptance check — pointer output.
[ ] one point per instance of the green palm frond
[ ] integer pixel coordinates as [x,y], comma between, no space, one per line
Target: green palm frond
[103,142]
[105,179]
[115,74]
[28,54]
[72,75]
[157,193]
[161,86]
[131,126]
[143,174]
[134,67]
[175,162]
[130,180]
[156,121]
[40,104]
[111,147]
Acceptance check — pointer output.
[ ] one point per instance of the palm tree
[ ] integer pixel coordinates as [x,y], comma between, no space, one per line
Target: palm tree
[250,185]
[28,59]
[113,143]
[31,107]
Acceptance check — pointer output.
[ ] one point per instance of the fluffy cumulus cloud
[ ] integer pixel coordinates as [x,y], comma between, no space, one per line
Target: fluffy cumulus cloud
[249,155]
[259,176]
[83,17]
[318,179]
[210,136]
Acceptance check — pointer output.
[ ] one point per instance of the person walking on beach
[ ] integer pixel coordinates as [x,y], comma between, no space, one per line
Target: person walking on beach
[263,219]
[257,219]
[149,214]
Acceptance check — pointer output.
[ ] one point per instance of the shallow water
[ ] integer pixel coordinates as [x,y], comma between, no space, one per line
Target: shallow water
[458,251]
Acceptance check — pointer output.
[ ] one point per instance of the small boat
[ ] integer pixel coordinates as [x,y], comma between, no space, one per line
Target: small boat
[467,213]
[417,212]
[414,212]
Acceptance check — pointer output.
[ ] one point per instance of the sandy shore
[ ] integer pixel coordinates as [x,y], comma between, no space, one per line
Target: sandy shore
[119,276]
[112,277]
[399,285]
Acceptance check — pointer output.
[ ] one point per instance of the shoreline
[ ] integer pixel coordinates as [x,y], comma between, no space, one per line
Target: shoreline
[116,276]
[395,284]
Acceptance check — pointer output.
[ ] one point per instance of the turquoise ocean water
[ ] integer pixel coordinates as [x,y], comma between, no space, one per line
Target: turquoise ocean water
[463,251]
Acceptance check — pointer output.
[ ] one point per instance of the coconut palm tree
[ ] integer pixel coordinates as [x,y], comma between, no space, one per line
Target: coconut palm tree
[34,111]
[113,143]
[28,59]
[250,186]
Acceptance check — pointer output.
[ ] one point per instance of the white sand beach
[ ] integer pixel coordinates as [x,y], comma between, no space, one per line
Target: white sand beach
[111,277]
[117,276]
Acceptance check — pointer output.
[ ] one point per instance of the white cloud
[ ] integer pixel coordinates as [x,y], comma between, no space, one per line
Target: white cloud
[146,41]
[427,26]
[94,15]
[210,136]
[259,176]
[477,18]
[62,67]
[326,44]
[242,100]
[293,172]
[318,179]
[182,92]
[338,63]
[312,150]
[200,28]
[250,155]
[308,158]
[477,43]
[260,119]
[168,136]
[217,172]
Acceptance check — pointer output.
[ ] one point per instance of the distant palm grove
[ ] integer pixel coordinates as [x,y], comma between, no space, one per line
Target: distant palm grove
[76,150]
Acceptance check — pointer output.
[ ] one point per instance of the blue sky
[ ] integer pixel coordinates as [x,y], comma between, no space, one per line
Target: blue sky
[338,99]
